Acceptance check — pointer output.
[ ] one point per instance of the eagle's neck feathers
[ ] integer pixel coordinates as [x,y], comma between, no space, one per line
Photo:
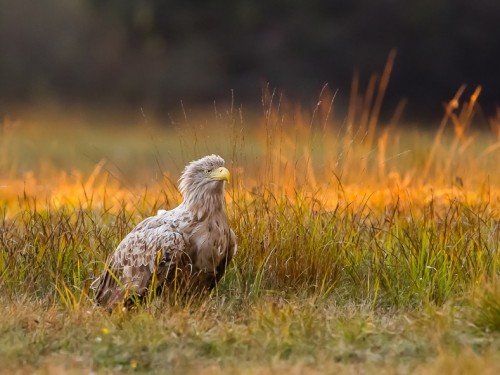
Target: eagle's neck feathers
[205,203]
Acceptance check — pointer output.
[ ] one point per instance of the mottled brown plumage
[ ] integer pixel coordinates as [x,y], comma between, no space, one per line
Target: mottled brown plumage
[189,246]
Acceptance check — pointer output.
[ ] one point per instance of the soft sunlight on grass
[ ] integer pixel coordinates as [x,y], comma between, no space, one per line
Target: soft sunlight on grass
[363,247]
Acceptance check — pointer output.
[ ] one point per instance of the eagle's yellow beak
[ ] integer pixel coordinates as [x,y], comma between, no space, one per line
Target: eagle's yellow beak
[220,174]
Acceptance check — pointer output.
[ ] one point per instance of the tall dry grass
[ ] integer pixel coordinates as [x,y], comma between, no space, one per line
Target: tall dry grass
[364,246]
[322,207]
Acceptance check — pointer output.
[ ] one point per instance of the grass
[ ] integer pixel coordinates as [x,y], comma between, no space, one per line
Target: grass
[363,248]
[271,334]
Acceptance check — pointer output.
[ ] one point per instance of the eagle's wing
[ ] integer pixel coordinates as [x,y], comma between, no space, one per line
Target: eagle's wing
[150,250]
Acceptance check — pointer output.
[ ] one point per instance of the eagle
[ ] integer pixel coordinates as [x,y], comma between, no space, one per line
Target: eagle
[189,246]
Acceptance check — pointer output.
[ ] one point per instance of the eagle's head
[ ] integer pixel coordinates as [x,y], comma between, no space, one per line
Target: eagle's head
[203,179]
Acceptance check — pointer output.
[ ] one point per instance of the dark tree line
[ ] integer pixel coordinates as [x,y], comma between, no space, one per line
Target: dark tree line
[159,52]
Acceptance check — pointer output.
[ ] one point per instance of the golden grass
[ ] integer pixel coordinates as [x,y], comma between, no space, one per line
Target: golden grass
[364,247]
[289,152]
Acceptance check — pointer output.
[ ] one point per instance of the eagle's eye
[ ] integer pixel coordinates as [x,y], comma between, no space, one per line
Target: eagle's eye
[207,171]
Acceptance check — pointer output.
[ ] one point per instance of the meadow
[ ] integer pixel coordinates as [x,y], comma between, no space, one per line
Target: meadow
[364,246]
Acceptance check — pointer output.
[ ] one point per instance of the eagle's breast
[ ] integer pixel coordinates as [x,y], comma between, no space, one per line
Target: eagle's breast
[211,242]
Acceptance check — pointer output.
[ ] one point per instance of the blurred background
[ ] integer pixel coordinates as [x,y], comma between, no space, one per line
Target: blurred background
[125,55]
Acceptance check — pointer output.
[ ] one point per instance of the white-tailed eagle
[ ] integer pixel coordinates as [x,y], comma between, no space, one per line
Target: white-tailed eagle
[189,246]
